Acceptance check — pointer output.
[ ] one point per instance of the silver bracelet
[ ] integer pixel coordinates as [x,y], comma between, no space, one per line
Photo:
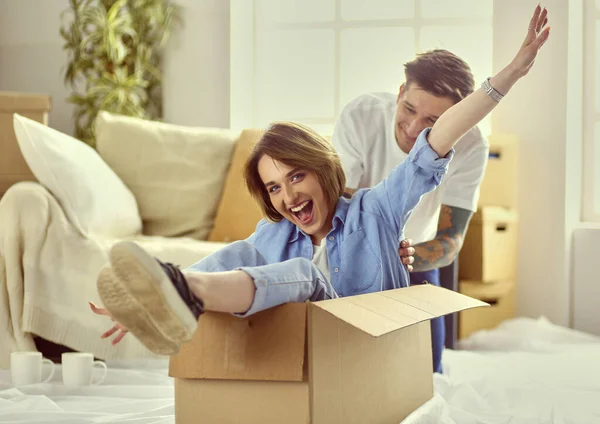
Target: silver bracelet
[491,91]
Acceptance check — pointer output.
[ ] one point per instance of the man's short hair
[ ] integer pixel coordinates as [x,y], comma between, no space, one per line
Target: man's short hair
[441,73]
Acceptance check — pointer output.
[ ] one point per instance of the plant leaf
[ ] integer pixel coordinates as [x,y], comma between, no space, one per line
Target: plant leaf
[114,53]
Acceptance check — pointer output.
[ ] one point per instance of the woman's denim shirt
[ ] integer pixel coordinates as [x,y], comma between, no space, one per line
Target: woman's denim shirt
[362,246]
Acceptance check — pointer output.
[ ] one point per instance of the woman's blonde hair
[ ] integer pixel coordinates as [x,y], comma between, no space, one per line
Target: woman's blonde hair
[300,147]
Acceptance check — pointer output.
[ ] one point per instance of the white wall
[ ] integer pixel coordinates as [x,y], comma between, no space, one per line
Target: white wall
[586,287]
[536,112]
[196,86]
[574,180]
[197,93]
[31,56]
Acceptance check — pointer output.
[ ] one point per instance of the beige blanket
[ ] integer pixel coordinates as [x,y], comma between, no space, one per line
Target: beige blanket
[48,274]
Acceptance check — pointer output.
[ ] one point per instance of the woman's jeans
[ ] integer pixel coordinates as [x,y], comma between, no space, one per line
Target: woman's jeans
[294,280]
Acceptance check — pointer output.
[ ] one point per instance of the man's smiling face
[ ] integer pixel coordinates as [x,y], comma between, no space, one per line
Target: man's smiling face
[416,110]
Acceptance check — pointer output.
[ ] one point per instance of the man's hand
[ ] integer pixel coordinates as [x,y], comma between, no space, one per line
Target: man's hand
[118,327]
[406,253]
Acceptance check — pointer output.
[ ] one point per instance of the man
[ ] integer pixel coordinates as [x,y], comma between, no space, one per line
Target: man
[375,132]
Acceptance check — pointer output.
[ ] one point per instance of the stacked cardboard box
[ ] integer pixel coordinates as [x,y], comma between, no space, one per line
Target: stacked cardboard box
[12,165]
[487,263]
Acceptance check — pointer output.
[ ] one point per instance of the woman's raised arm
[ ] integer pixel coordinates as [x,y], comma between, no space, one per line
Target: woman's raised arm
[461,117]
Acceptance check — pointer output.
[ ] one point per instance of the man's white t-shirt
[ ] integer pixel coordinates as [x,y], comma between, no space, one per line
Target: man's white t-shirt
[365,141]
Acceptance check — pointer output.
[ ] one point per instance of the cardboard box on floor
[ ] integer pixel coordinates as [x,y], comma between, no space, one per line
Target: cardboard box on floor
[501,298]
[500,184]
[360,359]
[489,250]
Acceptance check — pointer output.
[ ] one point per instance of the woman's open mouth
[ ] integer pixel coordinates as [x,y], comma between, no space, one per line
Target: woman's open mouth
[303,212]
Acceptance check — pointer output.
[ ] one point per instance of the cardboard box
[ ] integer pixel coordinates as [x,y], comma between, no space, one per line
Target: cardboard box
[500,182]
[12,165]
[489,252]
[360,359]
[501,298]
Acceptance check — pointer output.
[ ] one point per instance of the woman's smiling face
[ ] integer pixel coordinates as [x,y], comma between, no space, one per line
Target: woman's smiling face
[298,196]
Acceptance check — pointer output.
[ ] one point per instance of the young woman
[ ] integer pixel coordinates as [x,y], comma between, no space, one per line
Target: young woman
[316,244]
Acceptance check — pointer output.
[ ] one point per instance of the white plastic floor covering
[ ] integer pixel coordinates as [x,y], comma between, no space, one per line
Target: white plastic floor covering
[525,371]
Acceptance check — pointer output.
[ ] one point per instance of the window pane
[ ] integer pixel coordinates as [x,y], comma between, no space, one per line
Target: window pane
[377,9]
[372,59]
[597,70]
[456,8]
[472,44]
[294,11]
[597,168]
[294,75]
[598,5]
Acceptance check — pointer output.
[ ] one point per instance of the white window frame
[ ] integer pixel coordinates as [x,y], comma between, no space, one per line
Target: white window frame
[591,115]
[242,68]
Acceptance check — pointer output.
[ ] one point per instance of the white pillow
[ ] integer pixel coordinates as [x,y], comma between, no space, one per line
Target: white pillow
[93,197]
[176,173]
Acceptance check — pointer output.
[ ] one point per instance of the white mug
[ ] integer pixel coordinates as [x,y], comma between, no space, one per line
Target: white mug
[77,369]
[26,368]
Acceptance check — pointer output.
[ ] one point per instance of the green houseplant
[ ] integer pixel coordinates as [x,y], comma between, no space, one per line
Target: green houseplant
[114,50]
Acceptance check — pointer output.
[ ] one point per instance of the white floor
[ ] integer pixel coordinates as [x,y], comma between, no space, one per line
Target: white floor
[526,371]
[133,392]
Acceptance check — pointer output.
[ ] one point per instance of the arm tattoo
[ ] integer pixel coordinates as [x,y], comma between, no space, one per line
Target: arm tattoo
[442,250]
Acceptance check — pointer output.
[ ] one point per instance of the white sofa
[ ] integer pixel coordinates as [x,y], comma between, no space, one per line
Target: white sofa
[177,191]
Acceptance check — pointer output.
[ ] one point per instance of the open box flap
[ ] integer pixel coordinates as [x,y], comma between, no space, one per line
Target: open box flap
[383,312]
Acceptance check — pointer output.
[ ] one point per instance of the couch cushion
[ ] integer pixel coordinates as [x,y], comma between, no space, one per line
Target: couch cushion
[176,173]
[238,212]
[182,251]
[92,196]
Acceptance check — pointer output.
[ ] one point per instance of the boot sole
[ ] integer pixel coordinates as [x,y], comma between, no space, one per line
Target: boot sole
[126,309]
[145,280]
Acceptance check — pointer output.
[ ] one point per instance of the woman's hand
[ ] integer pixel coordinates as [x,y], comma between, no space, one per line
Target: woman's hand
[467,113]
[118,327]
[537,34]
